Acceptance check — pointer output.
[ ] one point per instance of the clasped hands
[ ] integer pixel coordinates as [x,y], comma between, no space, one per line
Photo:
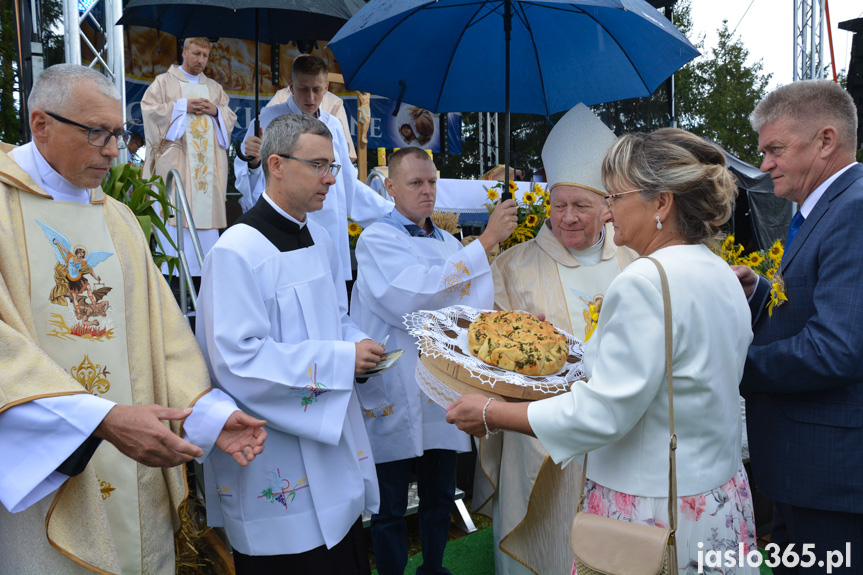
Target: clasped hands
[201,107]
[137,431]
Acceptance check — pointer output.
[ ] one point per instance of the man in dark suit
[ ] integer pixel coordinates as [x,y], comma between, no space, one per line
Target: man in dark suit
[803,380]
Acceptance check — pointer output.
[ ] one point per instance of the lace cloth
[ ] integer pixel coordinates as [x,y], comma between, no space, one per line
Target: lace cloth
[444,334]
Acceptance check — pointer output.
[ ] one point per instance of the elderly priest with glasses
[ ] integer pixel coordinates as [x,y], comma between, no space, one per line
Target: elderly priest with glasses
[92,348]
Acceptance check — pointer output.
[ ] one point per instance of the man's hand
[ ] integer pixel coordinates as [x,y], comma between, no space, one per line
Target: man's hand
[748,279]
[201,107]
[136,430]
[253,150]
[242,437]
[501,223]
[369,354]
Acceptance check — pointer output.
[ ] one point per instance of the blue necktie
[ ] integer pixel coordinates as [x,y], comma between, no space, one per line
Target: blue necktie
[796,222]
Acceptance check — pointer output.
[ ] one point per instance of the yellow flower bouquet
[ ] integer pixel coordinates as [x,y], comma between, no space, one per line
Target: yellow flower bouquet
[532,209]
[763,262]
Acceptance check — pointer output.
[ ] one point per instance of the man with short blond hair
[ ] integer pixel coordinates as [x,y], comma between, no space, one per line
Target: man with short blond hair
[405,264]
[188,124]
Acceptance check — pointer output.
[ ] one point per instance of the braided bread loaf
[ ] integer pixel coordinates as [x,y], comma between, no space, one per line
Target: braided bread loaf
[518,342]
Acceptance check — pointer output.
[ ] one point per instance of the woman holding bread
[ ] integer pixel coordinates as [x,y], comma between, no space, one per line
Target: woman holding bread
[669,193]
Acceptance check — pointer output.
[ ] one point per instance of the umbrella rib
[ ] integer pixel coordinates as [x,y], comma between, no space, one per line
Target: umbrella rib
[378,43]
[519,11]
[452,56]
[622,51]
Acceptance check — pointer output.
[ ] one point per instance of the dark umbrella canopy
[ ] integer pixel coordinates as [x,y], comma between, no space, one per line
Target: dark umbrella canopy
[280,21]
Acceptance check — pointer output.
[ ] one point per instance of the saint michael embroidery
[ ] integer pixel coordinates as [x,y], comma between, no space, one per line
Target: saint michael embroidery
[72,289]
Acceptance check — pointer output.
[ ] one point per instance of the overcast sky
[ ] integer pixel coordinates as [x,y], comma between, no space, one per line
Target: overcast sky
[767,30]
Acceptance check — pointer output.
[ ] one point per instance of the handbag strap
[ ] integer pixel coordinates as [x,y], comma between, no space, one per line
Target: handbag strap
[672,443]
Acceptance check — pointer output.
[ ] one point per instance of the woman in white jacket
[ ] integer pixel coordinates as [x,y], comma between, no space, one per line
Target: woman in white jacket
[669,193]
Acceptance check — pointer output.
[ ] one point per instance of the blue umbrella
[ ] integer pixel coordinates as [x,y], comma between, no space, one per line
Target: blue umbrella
[526,56]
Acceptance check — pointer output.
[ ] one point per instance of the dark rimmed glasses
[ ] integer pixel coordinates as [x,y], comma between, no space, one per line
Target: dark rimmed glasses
[98,137]
[321,168]
[609,199]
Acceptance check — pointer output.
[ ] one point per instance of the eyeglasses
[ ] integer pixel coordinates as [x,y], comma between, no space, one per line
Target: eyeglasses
[320,167]
[98,137]
[611,197]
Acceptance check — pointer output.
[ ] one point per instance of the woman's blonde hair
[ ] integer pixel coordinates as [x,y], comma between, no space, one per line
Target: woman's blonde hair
[680,163]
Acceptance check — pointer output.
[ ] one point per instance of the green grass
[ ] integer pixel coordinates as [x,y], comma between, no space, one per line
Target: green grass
[469,555]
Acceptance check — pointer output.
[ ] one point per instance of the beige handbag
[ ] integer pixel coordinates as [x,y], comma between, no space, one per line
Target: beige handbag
[605,546]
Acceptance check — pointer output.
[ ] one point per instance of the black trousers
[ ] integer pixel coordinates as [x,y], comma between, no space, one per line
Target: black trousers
[831,532]
[350,556]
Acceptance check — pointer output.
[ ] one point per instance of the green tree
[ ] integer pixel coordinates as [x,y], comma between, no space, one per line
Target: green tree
[717,92]
[10,122]
[51,12]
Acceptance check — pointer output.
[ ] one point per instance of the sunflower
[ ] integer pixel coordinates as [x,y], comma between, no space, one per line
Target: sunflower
[776,251]
[728,243]
[531,220]
[770,273]
[529,198]
[354,229]
[512,187]
[547,211]
[492,194]
[755,259]
[537,189]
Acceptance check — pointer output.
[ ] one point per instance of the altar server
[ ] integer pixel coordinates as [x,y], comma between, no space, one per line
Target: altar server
[404,264]
[274,328]
[349,196]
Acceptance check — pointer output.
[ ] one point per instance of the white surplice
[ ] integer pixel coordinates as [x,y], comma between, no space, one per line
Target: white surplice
[348,197]
[399,274]
[276,335]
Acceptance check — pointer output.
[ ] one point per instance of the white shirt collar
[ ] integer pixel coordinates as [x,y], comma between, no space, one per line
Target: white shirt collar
[192,79]
[592,255]
[809,202]
[283,212]
[56,185]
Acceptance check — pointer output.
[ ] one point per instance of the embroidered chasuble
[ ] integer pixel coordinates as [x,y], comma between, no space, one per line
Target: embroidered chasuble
[84,310]
[273,325]
[198,156]
[516,481]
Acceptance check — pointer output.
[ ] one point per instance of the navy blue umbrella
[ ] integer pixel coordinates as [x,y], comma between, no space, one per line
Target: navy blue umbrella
[526,56]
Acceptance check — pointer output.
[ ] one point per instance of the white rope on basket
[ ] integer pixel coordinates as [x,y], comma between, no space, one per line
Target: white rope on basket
[439,335]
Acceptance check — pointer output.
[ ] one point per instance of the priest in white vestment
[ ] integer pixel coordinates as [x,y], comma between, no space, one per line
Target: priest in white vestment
[93,348]
[273,324]
[348,197]
[188,124]
[562,273]
[405,264]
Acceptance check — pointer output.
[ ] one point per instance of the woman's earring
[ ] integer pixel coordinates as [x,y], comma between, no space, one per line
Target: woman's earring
[658,222]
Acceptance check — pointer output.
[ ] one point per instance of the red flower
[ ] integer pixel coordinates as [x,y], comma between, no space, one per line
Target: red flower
[693,507]
[596,505]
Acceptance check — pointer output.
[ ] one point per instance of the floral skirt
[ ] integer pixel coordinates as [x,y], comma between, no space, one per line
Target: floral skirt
[720,520]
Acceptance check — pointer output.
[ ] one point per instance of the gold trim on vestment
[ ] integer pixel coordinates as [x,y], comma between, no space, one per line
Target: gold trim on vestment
[56,546]
[42,396]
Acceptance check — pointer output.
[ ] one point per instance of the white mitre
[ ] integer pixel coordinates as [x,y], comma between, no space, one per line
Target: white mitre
[573,153]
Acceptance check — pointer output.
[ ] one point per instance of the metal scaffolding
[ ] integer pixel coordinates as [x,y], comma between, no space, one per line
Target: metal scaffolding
[101,16]
[809,30]
[488,149]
